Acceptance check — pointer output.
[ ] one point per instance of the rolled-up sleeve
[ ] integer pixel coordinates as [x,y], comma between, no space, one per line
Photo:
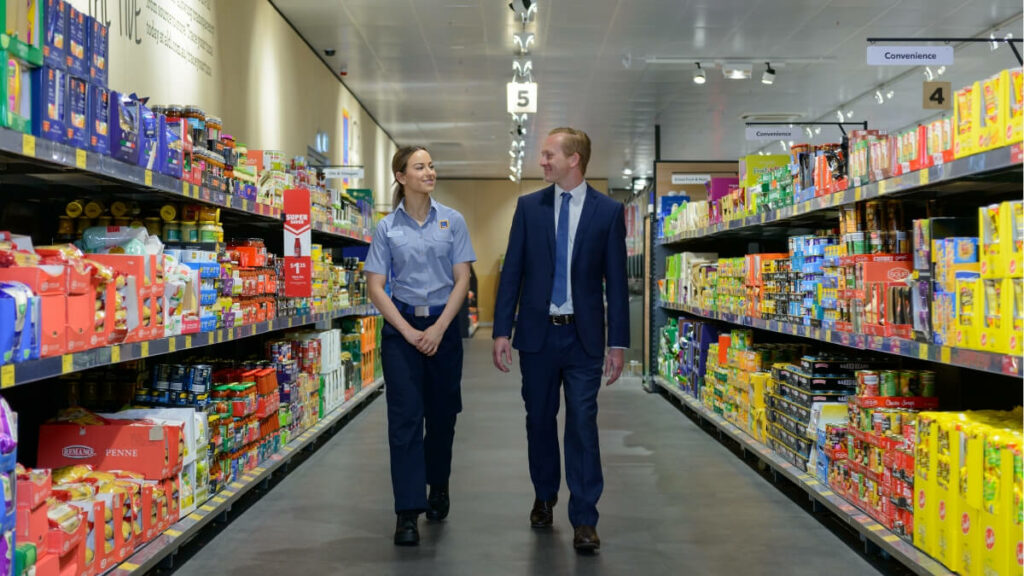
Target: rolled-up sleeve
[378,259]
[462,246]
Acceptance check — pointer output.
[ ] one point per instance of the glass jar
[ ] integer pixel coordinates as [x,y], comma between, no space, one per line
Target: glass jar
[189,232]
[65,229]
[94,209]
[196,124]
[173,112]
[208,213]
[213,128]
[168,212]
[75,208]
[207,232]
[81,225]
[171,232]
[189,213]
[153,226]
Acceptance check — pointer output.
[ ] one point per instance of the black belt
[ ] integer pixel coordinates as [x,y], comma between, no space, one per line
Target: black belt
[562,319]
[418,311]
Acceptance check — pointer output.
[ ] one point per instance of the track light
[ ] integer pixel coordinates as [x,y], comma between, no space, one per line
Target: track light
[810,133]
[699,77]
[769,75]
[928,74]
[523,41]
[941,70]
[878,97]
[737,70]
[849,114]
[839,114]
[817,130]
[889,94]
[993,44]
[627,171]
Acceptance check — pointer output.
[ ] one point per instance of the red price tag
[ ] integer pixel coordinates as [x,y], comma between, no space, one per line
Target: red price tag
[298,276]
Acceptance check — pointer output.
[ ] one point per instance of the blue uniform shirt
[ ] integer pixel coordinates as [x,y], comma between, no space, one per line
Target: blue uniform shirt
[420,258]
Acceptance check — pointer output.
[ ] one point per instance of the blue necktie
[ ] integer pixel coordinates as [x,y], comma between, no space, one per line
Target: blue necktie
[559,291]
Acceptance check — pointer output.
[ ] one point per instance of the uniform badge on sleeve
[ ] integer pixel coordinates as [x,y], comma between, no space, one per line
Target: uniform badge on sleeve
[444,224]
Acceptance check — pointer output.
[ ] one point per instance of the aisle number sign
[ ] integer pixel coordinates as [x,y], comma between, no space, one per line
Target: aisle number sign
[298,280]
[522,97]
[937,96]
[910,55]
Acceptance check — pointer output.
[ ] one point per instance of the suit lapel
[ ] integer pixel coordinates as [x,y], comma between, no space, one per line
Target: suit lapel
[548,212]
[589,205]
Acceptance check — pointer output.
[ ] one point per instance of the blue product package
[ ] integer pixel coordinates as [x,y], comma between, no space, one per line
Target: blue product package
[55,34]
[99,119]
[124,127]
[77,63]
[77,112]
[49,87]
[149,137]
[98,51]
[170,148]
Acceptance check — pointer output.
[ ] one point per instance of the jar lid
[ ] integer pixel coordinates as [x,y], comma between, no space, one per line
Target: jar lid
[213,120]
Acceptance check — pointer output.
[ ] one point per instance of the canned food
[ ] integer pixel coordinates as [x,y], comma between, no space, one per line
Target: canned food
[909,384]
[889,382]
[867,383]
[927,378]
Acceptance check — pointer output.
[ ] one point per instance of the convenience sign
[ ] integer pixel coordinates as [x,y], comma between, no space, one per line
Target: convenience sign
[910,55]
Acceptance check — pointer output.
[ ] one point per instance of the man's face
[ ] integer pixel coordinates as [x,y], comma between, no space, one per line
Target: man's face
[554,162]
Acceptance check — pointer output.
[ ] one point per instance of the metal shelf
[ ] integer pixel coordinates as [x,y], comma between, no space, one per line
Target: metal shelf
[166,544]
[962,168]
[26,372]
[972,359]
[361,236]
[900,549]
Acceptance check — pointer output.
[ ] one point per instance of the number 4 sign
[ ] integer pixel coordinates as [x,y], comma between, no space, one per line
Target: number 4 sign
[937,96]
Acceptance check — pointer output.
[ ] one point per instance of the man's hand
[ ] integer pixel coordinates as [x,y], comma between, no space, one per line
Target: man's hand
[430,340]
[613,364]
[502,354]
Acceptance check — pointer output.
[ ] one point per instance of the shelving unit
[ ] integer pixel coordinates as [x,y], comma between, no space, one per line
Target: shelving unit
[996,172]
[960,357]
[27,372]
[869,530]
[1007,157]
[149,555]
[46,156]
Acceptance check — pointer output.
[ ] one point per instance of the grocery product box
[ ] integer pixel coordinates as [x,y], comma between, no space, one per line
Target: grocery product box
[49,86]
[55,30]
[1001,239]
[149,449]
[925,490]
[966,104]
[751,167]
[992,114]
[99,50]
[99,119]
[193,425]
[77,63]
[968,310]
[16,91]
[77,113]
[1014,90]
[124,127]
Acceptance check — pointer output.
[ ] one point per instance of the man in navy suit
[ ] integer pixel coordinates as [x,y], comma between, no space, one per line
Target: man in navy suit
[566,256]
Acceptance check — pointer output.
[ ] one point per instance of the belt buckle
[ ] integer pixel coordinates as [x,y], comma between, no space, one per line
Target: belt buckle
[421,311]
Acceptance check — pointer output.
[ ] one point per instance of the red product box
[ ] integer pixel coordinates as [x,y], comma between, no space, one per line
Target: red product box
[95,539]
[149,449]
[61,543]
[41,279]
[33,526]
[47,564]
[31,494]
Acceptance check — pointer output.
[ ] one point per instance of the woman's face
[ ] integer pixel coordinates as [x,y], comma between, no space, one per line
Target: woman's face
[419,176]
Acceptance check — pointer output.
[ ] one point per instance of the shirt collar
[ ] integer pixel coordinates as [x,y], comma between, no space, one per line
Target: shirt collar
[576,192]
[433,207]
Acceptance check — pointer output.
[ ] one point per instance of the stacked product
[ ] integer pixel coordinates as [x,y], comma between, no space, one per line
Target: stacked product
[1001,291]
[730,288]
[779,293]
[253,282]
[804,396]
[878,474]
[834,309]
[756,284]
[987,114]
[968,504]
[807,257]
[683,353]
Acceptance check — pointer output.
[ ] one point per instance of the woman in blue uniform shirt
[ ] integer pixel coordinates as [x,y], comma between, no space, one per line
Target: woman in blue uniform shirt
[424,247]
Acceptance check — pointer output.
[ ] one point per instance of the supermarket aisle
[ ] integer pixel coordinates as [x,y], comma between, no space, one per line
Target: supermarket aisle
[675,501]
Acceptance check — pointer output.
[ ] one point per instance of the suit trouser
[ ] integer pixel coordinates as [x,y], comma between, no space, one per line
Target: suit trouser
[562,361]
[420,390]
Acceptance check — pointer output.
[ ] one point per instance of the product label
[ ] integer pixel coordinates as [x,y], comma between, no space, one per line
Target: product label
[78,108]
[99,129]
[76,58]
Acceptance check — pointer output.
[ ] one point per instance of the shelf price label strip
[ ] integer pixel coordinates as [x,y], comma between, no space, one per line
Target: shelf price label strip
[974,359]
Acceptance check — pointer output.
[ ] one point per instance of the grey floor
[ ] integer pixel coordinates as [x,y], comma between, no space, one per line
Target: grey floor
[675,502]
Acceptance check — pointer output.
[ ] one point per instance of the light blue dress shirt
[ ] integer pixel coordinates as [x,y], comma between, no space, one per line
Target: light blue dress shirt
[420,258]
[579,194]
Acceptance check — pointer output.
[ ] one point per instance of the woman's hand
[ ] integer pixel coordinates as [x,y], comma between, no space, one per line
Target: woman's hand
[430,340]
[413,336]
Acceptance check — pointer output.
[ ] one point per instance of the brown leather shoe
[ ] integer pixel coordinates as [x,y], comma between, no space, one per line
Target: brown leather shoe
[585,539]
[542,515]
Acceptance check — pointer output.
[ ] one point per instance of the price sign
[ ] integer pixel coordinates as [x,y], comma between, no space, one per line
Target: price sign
[298,282]
[522,97]
[937,96]
[80,158]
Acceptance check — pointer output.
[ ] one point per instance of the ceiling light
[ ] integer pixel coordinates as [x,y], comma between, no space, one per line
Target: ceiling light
[993,44]
[523,41]
[941,70]
[810,133]
[522,67]
[783,144]
[928,74]
[627,171]
[878,97]
[512,177]
[839,114]
[817,130]
[889,95]
[512,153]
[737,70]
[627,60]
[849,114]
[769,75]
[699,77]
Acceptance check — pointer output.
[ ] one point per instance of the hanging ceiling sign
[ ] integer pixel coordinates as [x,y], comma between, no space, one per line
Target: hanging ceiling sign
[347,172]
[773,132]
[680,179]
[522,97]
[910,55]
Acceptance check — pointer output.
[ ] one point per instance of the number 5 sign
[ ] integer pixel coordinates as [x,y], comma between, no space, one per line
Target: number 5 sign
[522,97]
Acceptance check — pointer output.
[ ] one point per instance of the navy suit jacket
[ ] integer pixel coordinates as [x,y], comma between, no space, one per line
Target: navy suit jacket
[598,270]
